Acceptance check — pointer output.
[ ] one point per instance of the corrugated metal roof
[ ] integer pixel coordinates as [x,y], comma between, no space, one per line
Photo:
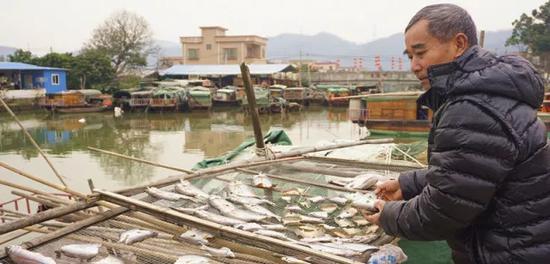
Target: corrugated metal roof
[226,69]
[18,66]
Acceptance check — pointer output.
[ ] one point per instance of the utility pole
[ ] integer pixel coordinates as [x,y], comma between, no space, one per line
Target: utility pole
[300,70]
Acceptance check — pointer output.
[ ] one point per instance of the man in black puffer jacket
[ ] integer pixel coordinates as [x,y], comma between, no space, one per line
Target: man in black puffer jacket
[487,187]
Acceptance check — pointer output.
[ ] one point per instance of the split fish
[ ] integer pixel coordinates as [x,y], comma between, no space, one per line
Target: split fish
[221,204]
[219,252]
[338,200]
[363,201]
[249,226]
[293,260]
[262,181]
[274,234]
[262,210]
[186,188]
[135,235]
[319,214]
[363,181]
[109,260]
[80,251]
[206,215]
[316,199]
[248,200]
[275,227]
[325,238]
[347,213]
[339,251]
[192,259]
[196,236]
[294,208]
[170,196]
[20,255]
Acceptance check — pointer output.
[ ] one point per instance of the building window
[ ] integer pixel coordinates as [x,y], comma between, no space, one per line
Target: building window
[55,79]
[230,54]
[208,46]
[193,54]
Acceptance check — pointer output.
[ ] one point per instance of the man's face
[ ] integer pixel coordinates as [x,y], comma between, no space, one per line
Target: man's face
[425,50]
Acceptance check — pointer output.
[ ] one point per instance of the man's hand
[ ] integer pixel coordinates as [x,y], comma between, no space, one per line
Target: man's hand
[389,191]
[375,218]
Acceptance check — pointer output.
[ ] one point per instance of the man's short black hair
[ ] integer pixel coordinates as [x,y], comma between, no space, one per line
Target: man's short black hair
[445,21]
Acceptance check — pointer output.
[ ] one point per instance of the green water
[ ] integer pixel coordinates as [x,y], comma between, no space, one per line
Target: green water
[175,139]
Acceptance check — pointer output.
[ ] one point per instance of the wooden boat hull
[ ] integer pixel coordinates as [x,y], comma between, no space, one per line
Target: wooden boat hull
[86,109]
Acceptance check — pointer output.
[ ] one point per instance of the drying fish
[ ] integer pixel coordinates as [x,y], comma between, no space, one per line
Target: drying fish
[294,192]
[262,181]
[340,251]
[261,210]
[275,227]
[347,213]
[319,214]
[185,187]
[363,181]
[373,229]
[338,200]
[358,239]
[20,255]
[216,218]
[358,247]
[328,207]
[248,200]
[109,260]
[192,259]
[293,260]
[240,189]
[196,236]
[219,252]
[221,204]
[135,235]
[291,219]
[344,222]
[360,220]
[271,233]
[310,220]
[305,203]
[316,199]
[286,198]
[309,231]
[363,201]
[249,226]
[294,208]
[328,227]
[340,182]
[325,238]
[170,196]
[80,251]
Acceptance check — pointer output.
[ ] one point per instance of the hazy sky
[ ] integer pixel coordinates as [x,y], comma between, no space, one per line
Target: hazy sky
[64,25]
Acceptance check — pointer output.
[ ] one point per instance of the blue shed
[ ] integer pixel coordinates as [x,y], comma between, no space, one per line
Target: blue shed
[22,76]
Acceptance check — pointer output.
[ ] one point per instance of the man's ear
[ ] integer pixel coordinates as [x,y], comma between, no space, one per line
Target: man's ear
[462,44]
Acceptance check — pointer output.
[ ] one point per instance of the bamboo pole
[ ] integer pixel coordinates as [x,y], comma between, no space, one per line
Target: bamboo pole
[45,215]
[409,156]
[204,172]
[254,116]
[37,179]
[306,150]
[225,232]
[140,160]
[21,187]
[366,164]
[335,172]
[70,229]
[32,141]
[22,234]
[305,182]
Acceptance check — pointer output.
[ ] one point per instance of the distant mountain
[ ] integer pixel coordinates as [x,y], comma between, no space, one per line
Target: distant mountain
[325,46]
[5,51]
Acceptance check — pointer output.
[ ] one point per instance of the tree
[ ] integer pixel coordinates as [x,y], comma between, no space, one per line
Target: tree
[534,32]
[93,69]
[20,55]
[126,38]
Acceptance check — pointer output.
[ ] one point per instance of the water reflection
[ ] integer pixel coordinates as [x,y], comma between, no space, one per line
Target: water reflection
[176,139]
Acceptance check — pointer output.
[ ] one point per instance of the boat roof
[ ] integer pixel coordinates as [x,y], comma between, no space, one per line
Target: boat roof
[18,66]
[226,69]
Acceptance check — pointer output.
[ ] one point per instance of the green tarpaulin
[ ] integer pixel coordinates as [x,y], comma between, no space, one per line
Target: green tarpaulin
[278,137]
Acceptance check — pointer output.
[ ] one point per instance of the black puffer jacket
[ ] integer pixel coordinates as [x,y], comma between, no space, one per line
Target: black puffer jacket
[487,188]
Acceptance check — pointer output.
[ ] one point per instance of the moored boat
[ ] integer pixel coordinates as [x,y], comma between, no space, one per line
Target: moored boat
[199,98]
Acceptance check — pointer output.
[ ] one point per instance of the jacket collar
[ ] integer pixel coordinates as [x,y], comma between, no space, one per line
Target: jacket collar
[441,77]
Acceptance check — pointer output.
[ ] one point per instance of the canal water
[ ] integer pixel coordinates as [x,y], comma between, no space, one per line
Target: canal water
[175,139]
